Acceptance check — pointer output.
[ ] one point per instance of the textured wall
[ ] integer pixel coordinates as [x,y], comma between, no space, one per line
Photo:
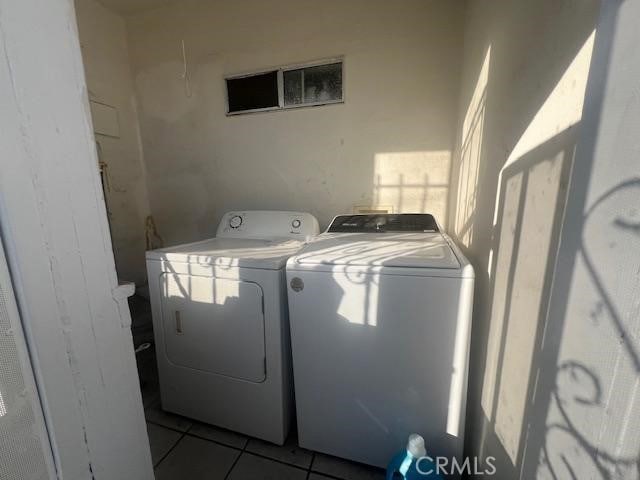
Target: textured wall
[524,78]
[390,142]
[586,406]
[106,63]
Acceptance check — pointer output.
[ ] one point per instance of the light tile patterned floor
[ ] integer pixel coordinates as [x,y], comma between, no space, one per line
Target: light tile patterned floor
[184,449]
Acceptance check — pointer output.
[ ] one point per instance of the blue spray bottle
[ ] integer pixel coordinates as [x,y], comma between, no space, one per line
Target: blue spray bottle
[403,465]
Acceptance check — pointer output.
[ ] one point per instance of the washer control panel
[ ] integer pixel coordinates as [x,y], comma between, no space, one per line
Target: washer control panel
[265,224]
[380,223]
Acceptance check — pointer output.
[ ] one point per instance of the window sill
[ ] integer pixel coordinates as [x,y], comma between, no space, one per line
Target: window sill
[285,108]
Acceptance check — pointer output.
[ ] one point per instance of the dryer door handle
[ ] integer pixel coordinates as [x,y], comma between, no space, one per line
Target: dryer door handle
[178,323]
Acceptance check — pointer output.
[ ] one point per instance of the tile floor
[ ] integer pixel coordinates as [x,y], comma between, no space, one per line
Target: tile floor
[182,448]
[185,449]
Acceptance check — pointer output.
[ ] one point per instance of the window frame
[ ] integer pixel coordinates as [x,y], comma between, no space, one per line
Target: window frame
[280,83]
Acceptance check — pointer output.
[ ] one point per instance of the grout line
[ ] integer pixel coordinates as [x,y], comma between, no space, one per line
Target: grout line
[174,429]
[328,475]
[170,450]
[248,452]
[324,474]
[313,459]
[217,442]
[241,451]
[237,459]
[188,432]
[233,465]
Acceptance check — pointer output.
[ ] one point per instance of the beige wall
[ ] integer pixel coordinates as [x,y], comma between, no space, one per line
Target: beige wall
[108,74]
[588,412]
[522,92]
[389,143]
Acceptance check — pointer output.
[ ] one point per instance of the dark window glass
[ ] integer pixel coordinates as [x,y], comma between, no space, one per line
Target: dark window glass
[253,92]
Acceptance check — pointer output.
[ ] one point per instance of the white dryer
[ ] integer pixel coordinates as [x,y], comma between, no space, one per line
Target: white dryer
[221,326]
[380,317]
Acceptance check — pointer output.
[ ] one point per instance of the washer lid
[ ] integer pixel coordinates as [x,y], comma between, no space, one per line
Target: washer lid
[231,252]
[419,250]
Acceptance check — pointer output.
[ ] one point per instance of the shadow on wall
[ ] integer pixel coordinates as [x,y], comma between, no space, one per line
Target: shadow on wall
[540,423]
[541,399]
[413,182]
[553,423]
[533,190]
[470,149]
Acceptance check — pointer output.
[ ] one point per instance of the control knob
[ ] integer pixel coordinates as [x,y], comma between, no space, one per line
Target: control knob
[235,221]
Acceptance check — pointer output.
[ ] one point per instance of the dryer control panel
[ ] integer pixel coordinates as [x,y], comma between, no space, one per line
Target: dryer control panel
[267,224]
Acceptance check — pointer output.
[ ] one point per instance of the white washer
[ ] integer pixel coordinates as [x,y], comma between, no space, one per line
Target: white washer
[380,318]
[221,326]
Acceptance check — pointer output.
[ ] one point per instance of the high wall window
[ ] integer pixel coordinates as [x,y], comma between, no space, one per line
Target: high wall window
[318,83]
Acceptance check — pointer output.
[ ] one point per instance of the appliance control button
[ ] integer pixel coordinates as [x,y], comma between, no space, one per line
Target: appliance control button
[235,221]
[296,223]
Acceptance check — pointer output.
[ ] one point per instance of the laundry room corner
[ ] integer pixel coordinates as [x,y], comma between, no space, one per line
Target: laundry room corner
[337,240]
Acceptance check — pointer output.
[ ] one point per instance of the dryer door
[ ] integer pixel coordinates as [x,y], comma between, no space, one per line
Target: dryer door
[215,325]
